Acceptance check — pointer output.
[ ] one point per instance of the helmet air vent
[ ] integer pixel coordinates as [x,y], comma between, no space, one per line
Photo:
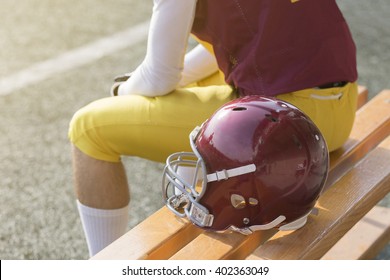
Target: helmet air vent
[238,201]
[239,109]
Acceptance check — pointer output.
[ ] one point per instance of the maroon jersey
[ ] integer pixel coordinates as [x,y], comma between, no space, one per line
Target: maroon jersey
[270,47]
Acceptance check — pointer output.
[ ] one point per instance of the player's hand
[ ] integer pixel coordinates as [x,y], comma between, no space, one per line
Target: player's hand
[118,80]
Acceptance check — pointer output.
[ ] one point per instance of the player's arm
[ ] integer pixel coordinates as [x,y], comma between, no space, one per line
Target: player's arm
[199,63]
[160,71]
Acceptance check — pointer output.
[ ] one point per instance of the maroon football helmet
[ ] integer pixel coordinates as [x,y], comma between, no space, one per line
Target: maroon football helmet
[259,163]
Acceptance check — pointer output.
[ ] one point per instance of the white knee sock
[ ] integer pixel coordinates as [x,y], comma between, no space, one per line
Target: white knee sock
[101,226]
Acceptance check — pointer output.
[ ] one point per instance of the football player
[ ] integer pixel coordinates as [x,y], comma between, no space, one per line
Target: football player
[299,51]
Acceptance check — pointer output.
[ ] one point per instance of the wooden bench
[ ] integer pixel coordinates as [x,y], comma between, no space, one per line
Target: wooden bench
[348,217]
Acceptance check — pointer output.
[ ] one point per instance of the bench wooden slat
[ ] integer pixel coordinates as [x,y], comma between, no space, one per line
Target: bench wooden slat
[212,245]
[362,96]
[365,239]
[341,207]
[362,140]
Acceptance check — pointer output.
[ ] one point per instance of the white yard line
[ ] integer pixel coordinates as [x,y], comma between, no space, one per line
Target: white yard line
[74,58]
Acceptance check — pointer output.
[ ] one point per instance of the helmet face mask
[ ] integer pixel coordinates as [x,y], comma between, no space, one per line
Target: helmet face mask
[259,163]
[184,195]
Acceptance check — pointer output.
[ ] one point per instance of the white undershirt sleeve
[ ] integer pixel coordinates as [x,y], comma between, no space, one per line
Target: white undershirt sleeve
[160,71]
[199,63]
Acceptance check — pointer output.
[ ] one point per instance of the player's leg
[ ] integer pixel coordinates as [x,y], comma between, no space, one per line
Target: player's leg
[331,109]
[103,208]
[151,128]
[88,189]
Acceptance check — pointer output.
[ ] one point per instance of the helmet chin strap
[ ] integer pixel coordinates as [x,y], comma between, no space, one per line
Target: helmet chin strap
[225,174]
[251,229]
[294,225]
[270,225]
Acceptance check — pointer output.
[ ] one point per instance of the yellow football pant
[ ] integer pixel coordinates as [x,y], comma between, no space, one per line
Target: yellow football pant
[153,128]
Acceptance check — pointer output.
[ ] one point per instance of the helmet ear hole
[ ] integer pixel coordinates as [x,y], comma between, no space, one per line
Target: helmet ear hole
[238,201]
